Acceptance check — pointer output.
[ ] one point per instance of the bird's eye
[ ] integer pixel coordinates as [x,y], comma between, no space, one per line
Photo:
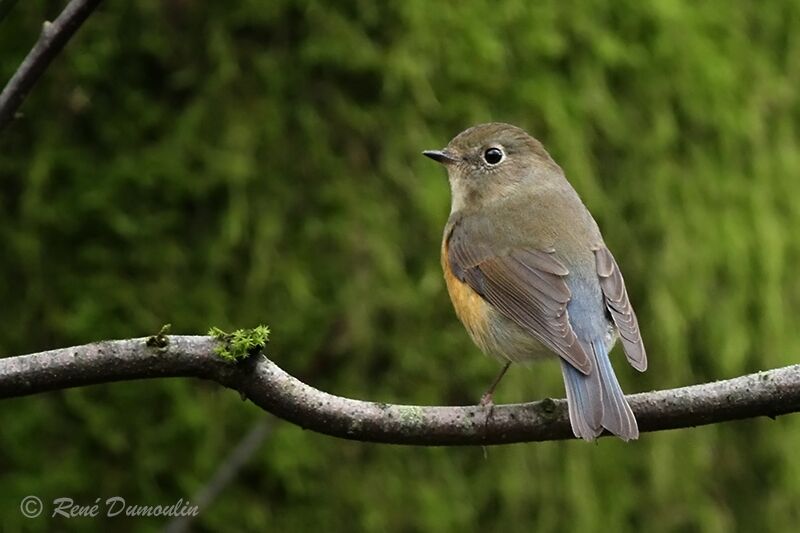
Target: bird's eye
[493,155]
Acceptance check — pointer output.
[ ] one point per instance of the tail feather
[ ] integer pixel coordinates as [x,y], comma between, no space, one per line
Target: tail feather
[617,415]
[583,395]
[596,401]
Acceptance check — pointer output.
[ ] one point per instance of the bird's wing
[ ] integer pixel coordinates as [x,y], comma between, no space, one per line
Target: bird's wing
[619,306]
[527,286]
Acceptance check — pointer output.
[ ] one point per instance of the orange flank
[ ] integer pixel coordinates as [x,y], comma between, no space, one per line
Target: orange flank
[470,308]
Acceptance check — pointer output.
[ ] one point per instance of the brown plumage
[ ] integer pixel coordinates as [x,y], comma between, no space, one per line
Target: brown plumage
[529,274]
[616,297]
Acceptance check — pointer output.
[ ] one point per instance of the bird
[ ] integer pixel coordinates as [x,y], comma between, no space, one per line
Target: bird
[530,276]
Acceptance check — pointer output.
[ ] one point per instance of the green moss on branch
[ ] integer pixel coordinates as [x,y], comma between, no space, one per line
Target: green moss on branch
[241,343]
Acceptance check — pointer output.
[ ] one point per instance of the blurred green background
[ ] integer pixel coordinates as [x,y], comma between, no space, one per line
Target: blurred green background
[228,164]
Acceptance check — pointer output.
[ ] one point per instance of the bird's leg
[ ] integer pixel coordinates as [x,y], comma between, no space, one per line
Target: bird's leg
[486,399]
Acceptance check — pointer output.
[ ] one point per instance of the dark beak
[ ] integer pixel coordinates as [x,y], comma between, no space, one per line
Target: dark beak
[442,156]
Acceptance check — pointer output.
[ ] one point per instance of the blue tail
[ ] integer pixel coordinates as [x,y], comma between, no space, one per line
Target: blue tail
[596,401]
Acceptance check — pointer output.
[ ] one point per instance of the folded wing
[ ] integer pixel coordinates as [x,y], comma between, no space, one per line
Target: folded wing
[528,287]
[619,306]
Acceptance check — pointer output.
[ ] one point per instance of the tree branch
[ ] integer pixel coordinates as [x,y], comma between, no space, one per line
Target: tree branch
[226,472]
[770,393]
[52,39]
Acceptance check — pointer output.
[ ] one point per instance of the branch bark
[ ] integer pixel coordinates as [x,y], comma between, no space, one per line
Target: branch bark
[770,393]
[52,39]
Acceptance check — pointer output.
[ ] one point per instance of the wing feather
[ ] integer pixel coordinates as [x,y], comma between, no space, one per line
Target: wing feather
[619,306]
[528,287]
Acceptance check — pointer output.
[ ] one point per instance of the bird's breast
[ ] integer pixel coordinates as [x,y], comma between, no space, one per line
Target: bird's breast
[471,309]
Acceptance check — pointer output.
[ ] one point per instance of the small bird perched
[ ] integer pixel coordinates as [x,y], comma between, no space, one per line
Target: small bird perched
[530,276]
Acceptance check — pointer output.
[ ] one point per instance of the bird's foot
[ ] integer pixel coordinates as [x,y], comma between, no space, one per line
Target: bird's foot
[487,400]
[487,403]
